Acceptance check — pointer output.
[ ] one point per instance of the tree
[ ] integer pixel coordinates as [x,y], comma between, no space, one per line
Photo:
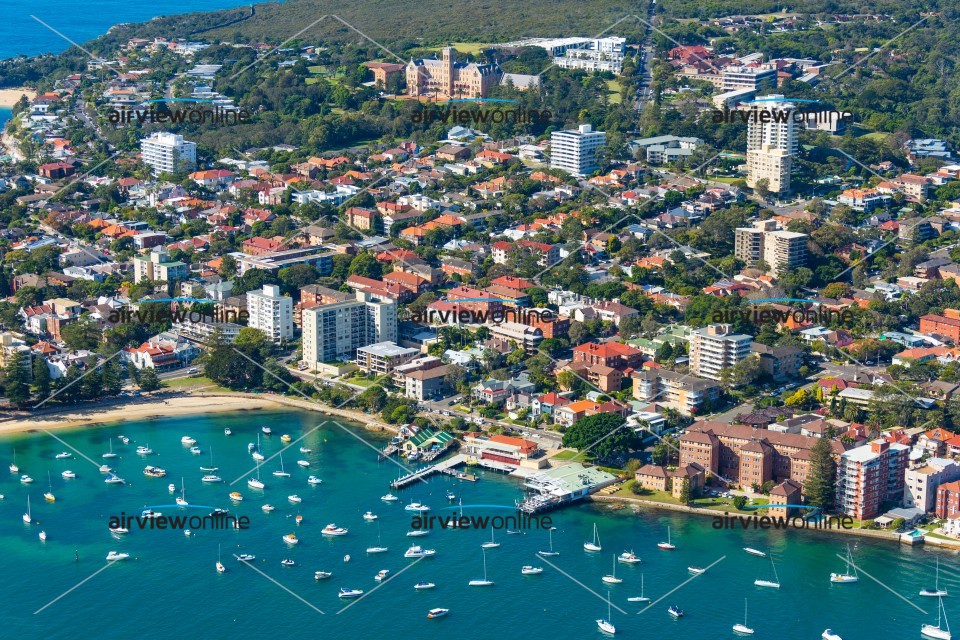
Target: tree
[16,380]
[366,265]
[823,471]
[601,434]
[41,377]
[666,451]
[685,491]
[149,381]
[739,502]
[373,399]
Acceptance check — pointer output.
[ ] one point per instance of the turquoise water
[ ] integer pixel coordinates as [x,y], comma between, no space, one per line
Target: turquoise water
[81,21]
[169,586]
[5,114]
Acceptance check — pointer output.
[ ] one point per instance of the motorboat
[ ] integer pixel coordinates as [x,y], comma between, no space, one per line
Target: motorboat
[828,634]
[437,613]
[422,586]
[755,552]
[350,593]
[389,498]
[314,480]
[144,450]
[417,533]
[259,457]
[451,496]
[150,514]
[113,556]
[195,451]
[322,575]
[290,539]
[530,570]
[346,558]
[187,532]
[236,496]
[295,499]
[227,431]
[675,611]
[119,530]
[382,575]
[304,450]
[369,516]
[846,577]
[211,478]
[219,513]
[25,479]
[298,519]
[285,438]
[303,463]
[267,508]
[287,562]
[113,479]
[416,506]
[124,439]
[416,551]
[104,468]
[64,455]
[171,487]
[188,441]
[154,472]
[68,474]
[246,557]
[266,430]
[696,570]
[666,546]
[251,447]
[333,530]
[255,483]
[628,557]
[593,545]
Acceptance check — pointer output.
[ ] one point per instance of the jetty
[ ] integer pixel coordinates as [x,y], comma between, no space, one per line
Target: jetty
[448,467]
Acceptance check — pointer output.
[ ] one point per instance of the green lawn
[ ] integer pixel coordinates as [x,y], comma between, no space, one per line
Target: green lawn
[192,383]
[465,47]
[569,454]
[626,491]
[613,86]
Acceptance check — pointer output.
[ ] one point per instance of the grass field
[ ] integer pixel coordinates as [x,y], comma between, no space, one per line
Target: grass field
[473,48]
[614,86]
[193,382]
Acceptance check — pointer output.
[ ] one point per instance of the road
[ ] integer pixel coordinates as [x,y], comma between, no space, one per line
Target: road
[644,92]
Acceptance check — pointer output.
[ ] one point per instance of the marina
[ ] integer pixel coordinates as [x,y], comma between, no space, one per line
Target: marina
[166,570]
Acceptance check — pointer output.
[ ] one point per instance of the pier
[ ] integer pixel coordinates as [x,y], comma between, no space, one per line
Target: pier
[448,467]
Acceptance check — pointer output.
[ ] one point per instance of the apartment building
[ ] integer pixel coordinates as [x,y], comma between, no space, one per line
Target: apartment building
[716,347]
[947,325]
[921,483]
[383,358]
[594,54]
[685,393]
[771,164]
[451,79]
[948,501]
[610,354]
[158,267]
[870,475]
[735,77]
[780,249]
[772,142]
[334,332]
[168,152]
[271,313]
[745,455]
[575,150]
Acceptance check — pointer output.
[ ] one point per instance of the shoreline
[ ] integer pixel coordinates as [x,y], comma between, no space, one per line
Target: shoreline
[700,511]
[10,97]
[184,404]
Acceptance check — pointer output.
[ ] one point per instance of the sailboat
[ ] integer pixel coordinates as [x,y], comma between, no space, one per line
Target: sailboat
[595,545]
[484,582]
[256,483]
[211,468]
[13,465]
[255,453]
[493,544]
[605,625]
[48,496]
[641,597]
[182,498]
[938,632]
[936,592]
[27,518]
[846,576]
[612,578]
[110,454]
[220,567]
[551,552]
[775,583]
[378,548]
[743,628]
[667,546]
[281,473]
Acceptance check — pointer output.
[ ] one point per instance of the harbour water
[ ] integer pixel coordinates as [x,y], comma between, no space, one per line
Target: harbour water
[80,21]
[169,586]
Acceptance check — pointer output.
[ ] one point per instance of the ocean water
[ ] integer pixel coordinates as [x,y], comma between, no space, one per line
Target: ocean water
[5,114]
[169,587]
[80,20]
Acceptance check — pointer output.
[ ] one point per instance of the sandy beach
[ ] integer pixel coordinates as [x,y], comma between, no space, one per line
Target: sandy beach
[10,97]
[165,405]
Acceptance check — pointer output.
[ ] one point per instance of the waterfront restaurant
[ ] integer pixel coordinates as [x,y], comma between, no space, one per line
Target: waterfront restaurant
[562,485]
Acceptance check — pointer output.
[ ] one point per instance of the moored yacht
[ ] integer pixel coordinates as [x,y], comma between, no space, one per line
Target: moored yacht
[350,593]
[64,455]
[113,556]
[416,506]
[416,551]
[628,557]
[530,570]
[68,474]
[314,480]
[437,613]
[333,530]
[595,544]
